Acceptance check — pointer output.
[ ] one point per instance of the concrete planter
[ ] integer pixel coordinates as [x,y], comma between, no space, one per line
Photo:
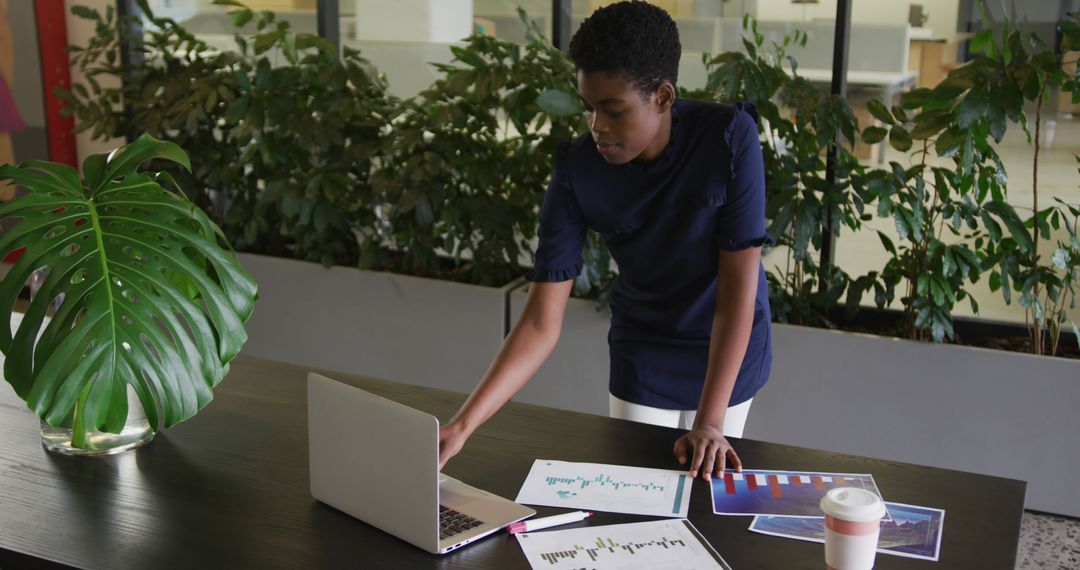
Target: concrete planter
[575,376]
[973,409]
[408,329]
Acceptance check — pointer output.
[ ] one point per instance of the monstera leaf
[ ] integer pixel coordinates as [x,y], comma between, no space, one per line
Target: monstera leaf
[149,297]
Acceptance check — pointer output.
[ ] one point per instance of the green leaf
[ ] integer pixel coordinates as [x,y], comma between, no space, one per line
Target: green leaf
[267,40]
[948,263]
[469,57]
[887,243]
[241,17]
[950,141]
[1071,42]
[558,103]
[85,12]
[880,112]
[874,135]
[900,139]
[972,108]
[982,42]
[916,98]
[307,41]
[902,228]
[1005,212]
[992,227]
[930,123]
[124,258]
[936,290]
[128,158]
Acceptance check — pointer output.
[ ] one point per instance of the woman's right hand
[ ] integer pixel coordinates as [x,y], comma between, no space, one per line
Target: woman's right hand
[452,437]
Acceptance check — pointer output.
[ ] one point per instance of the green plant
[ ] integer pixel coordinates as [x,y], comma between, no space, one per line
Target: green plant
[284,152]
[798,123]
[150,299]
[468,159]
[962,119]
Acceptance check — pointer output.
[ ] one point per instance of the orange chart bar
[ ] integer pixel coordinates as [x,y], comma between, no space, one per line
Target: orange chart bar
[774,486]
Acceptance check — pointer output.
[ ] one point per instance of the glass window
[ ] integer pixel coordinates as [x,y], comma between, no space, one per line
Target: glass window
[939,41]
[402,38]
[214,25]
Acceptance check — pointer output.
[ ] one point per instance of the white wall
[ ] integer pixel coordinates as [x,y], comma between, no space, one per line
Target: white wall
[943,13]
[414,20]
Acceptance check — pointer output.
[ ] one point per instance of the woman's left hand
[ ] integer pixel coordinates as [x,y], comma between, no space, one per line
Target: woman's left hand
[711,452]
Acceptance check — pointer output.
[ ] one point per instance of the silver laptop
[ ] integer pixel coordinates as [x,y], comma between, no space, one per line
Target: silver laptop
[378,461]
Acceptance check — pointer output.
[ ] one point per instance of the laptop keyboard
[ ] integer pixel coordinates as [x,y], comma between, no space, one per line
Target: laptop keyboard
[452,522]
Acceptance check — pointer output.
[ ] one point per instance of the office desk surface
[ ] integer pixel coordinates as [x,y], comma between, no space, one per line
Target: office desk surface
[229,488]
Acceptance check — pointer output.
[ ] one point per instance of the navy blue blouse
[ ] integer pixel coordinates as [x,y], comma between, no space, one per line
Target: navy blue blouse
[665,223]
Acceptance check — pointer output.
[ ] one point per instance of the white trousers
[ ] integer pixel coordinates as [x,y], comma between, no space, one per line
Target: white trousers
[734,420]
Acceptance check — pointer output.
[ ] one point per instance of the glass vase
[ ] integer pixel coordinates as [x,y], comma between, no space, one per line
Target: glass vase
[136,432]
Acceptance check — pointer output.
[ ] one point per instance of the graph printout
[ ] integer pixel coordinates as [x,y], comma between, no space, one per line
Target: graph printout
[913,532]
[780,493]
[656,545]
[609,488]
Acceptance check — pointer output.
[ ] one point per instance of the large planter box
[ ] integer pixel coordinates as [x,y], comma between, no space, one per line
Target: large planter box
[575,376]
[382,325]
[987,411]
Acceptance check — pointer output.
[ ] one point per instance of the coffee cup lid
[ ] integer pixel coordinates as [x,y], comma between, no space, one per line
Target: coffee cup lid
[852,504]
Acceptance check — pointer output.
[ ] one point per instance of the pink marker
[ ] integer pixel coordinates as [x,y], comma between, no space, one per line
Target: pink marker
[547,522]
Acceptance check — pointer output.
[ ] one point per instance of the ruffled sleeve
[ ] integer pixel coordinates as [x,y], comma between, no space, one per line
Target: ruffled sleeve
[562,233]
[740,220]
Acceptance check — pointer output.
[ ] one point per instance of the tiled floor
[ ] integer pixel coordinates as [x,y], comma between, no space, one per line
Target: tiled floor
[1048,542]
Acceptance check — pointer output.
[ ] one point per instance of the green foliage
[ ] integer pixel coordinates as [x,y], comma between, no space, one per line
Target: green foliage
[282,154]
[149,297]
[313,159]
[798,123]
[955,224]
[465,169]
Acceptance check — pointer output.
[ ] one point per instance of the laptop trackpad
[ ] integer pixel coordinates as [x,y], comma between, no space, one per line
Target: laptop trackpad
[455,494]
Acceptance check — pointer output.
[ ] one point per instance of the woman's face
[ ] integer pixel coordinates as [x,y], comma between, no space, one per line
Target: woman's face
[625,123]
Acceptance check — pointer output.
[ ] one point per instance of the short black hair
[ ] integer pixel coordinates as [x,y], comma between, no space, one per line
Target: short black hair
[635,39]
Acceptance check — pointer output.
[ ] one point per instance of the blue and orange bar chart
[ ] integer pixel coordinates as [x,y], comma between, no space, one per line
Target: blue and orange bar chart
[780,493]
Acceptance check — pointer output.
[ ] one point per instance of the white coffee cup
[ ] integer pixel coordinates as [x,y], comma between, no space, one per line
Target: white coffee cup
[852,524]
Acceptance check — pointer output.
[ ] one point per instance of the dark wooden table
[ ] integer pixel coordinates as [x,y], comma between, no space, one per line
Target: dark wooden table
[229,488]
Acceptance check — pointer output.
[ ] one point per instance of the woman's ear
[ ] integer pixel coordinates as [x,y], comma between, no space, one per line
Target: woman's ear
[665,96]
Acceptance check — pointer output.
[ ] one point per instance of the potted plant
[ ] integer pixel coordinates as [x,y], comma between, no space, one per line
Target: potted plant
[144,300]
[933,402]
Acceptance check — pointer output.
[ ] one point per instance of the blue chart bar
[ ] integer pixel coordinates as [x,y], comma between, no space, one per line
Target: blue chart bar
[678,494]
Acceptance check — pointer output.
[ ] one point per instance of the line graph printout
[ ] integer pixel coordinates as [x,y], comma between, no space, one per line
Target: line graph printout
[609,488]
[780,493]
[672,544]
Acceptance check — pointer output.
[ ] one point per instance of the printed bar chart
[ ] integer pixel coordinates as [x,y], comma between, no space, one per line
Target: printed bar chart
[612,488]
[780,493]
[608,545]
[657,545]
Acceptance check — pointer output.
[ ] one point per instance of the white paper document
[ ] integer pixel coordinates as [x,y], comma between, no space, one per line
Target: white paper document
[609,488]
[656,545]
